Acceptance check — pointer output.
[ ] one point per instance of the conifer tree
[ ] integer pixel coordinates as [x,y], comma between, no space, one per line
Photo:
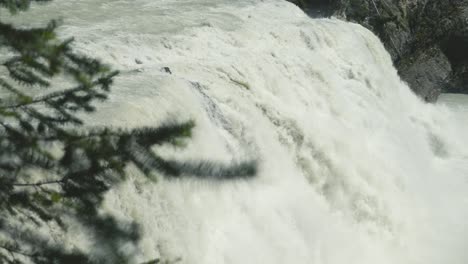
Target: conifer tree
[55,170]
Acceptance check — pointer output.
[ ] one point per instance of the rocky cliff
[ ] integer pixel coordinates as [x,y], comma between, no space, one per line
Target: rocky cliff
[427,39]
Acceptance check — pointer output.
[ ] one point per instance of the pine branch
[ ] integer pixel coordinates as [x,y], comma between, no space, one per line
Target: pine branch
[18,5]
[89,162]
[53,95]
[37,184]
[16,251]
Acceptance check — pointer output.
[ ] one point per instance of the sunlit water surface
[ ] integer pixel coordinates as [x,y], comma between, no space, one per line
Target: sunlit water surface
[354,168]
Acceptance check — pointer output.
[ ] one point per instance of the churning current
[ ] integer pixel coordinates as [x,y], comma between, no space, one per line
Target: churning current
[354,168]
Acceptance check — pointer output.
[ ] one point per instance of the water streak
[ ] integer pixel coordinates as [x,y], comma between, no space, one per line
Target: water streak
[354,167]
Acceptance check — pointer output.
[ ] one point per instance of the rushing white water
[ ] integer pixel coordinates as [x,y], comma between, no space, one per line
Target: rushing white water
[354,168]
[458,103]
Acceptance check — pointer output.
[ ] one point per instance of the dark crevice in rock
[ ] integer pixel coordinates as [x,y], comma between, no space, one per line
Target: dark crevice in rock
[456,49]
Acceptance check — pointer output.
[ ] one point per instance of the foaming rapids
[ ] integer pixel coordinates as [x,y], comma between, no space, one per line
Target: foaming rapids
[354,168]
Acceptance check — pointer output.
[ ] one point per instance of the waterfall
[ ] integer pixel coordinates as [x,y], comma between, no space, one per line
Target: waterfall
[354,168]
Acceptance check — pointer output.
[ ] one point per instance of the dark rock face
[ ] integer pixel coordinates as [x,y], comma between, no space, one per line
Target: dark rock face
[427,73]
[427,39]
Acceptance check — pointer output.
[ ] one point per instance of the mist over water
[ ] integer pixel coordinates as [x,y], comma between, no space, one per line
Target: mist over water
[457,102]
[354,168]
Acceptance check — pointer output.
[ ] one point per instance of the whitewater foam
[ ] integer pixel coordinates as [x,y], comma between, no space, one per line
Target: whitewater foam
[354,168]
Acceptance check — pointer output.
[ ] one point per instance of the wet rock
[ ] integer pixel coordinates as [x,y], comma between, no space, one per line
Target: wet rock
[166,70]
[427,73]
[299,3]
[315,8]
